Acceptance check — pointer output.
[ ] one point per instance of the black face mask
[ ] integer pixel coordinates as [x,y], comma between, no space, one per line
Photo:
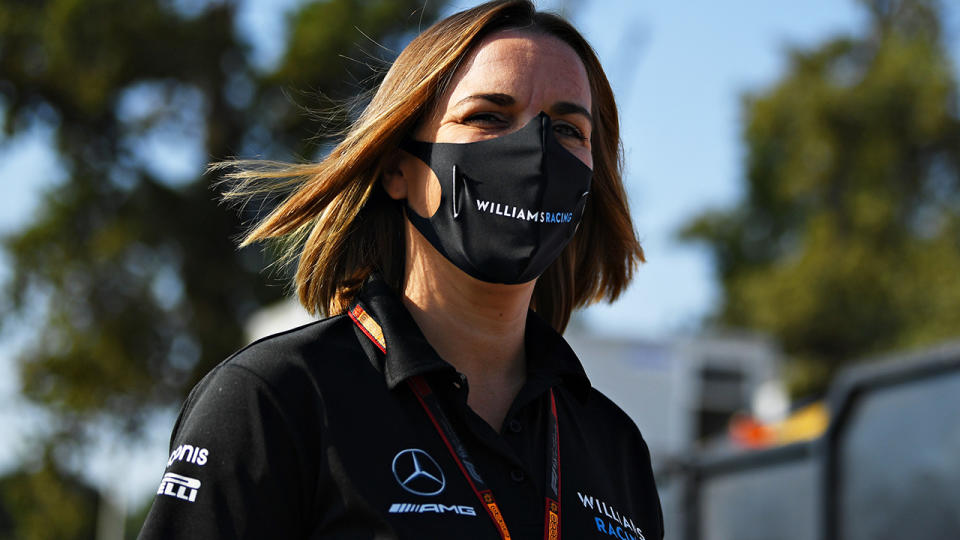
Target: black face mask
[508,206]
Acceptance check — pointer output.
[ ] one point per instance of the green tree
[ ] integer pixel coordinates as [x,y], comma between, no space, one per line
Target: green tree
[46,502]
[847,241]
[131,260]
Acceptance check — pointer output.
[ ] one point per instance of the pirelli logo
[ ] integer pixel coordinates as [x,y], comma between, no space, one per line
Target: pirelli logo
[369,326]
[181,487]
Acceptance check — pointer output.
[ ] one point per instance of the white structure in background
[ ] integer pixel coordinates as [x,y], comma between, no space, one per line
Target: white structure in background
[677,391]
[683,392]
[281,316]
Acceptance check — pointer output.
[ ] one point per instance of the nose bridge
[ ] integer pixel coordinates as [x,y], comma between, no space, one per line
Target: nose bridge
[532,130]
[531,100]
[536,130]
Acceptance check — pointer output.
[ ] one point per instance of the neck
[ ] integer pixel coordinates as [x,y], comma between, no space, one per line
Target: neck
[477,327]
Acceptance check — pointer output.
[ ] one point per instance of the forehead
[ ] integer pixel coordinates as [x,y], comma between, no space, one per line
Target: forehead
[529,66]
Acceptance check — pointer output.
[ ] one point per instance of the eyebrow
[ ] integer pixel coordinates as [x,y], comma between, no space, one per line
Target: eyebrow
[495,98]
[505,100]
[566,107]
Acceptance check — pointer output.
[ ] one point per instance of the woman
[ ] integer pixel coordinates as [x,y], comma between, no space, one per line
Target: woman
[472,206]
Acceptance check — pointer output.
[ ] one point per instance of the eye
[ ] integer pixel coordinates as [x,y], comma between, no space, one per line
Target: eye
[568,130]
[485,120]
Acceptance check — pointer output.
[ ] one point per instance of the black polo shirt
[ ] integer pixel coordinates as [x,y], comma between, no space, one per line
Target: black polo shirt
[315,433]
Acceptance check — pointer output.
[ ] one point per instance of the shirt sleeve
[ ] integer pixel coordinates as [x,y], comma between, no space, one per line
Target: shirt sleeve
[235,465]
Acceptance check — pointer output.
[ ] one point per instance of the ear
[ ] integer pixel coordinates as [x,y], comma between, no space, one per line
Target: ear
[393,179]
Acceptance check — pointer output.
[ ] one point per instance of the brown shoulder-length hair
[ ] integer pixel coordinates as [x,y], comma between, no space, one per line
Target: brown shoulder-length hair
[339,225]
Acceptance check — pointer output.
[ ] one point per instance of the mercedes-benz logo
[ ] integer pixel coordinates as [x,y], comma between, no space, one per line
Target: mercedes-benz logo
[417,472]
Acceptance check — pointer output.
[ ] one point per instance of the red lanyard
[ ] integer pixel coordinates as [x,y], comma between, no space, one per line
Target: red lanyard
[551,525]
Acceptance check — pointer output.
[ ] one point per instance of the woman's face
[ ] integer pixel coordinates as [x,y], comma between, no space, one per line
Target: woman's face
[510,77]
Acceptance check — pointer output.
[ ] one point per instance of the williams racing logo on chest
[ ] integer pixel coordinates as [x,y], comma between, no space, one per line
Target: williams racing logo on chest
[609,521]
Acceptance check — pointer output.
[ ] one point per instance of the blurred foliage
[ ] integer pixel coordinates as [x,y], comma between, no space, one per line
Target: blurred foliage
[128,271]
[46,503]
[847,242]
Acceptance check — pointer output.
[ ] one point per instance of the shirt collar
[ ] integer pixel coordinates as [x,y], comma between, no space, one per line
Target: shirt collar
[403,352]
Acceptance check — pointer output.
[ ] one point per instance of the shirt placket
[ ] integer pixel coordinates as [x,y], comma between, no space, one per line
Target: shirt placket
[511,462]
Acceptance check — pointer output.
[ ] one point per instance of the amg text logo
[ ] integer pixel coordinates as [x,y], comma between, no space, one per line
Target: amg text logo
[410,508]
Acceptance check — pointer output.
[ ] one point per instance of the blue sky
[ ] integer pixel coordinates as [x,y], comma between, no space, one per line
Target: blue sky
[678,70]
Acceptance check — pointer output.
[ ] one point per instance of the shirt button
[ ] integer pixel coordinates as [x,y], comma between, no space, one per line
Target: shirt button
[515,426]
[517,475]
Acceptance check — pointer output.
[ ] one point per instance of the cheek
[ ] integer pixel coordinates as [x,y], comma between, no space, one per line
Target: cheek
[583,154]
[423,189]
[433,194]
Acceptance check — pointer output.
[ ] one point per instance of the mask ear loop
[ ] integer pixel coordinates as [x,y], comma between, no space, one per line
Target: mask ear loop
[453,180]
